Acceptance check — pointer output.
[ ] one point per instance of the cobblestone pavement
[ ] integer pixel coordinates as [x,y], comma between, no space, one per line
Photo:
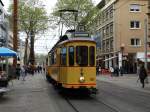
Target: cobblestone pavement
[32,95]
[127,80]
[35,95]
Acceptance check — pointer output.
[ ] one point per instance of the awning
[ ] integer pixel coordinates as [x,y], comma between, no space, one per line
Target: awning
[143,60]
[141,56]
[99,58]
[7,52]
[110,58]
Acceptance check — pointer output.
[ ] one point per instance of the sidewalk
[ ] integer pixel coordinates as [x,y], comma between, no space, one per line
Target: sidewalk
[128,80]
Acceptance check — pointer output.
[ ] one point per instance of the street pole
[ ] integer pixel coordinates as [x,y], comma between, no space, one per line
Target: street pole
[61,30]
[148,18]
[145,43]
[6,44]
[15,30]
[147,33]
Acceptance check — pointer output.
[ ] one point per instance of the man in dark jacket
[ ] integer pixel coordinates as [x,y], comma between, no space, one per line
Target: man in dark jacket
[18,71]
[142,75]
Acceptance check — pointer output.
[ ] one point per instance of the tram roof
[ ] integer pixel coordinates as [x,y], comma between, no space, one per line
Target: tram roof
[73,36]
[72,40]
[77,40]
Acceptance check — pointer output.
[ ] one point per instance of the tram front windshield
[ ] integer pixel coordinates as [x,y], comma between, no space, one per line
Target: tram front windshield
[82,55]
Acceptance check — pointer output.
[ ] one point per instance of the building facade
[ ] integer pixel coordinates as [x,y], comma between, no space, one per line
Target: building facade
[120,25]
[3,26]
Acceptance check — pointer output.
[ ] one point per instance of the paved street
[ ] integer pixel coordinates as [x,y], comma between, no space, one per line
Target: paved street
[33,95]
[127,80]
[71,41]
[124,93]
[116,94]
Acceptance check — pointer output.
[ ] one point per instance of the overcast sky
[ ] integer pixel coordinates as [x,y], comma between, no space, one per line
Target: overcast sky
[48,3]
[44,45]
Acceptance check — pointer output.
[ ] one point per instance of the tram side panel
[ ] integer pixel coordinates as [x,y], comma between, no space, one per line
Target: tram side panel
[56,67]
[62,61]
[48,69]
[53,67]
[63,75]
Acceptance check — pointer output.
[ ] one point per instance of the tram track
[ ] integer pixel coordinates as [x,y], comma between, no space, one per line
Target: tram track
[106,104]
[119,97]
[73,107]
[92,100]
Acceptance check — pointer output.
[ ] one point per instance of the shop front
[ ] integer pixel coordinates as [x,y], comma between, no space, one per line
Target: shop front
[141,57]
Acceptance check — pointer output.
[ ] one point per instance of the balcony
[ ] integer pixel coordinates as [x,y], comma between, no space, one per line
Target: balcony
[2,41]
[3,24]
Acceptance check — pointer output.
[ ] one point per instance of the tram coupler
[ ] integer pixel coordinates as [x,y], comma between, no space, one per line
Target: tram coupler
[94,91]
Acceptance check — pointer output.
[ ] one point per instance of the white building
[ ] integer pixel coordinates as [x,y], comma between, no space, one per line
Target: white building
[3,26]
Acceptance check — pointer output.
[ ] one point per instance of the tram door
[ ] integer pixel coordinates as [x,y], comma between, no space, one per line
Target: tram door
[63,65]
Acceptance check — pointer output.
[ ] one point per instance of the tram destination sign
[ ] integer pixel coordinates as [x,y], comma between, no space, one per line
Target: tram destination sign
[81,34]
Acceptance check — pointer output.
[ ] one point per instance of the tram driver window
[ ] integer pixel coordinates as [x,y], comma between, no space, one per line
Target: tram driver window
[71,56]
[82,55]
[63,56]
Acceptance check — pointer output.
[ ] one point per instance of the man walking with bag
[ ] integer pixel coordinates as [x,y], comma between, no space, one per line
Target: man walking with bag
[142,75]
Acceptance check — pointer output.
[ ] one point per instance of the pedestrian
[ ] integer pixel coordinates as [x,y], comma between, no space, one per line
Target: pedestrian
[142,75]
[121,71]
[32,69]
[44,69]
[18,71]
[116,71]
[97,70]
[138,72]
[26,70]
[111,69]
[23,74]
[100,70]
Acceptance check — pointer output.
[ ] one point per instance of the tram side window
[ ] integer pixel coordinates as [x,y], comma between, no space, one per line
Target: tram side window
[82,55]
[63,56]
[92,56]
[55,58]
[49,59]
[71,56]
[52,58]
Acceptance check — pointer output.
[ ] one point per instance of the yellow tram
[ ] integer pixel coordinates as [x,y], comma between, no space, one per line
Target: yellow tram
[71,63]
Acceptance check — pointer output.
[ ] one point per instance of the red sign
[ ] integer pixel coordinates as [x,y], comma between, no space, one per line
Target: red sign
[148,55]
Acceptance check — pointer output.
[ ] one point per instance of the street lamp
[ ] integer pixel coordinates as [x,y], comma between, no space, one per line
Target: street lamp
[122,50]
[146,22]
[145,42]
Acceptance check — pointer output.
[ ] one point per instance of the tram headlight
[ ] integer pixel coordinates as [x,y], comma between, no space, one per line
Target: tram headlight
[82,79]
